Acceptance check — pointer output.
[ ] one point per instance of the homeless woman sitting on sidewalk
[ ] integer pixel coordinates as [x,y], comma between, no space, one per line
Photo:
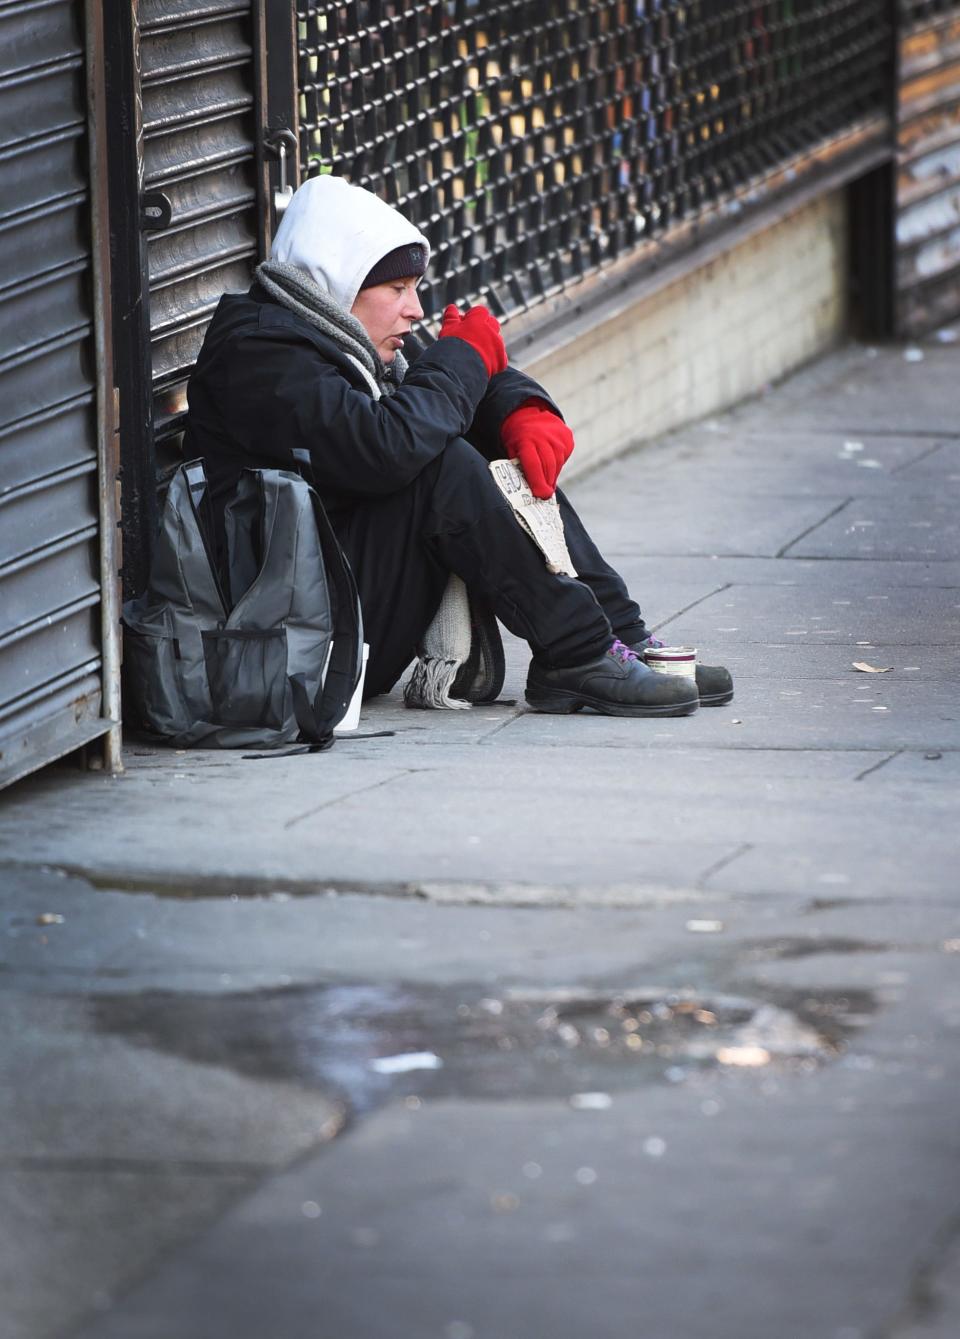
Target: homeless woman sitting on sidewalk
[318,355]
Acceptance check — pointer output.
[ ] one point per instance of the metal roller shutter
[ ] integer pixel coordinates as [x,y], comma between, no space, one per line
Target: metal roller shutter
[189,85]
[928,171]
[200,151]
[50,508]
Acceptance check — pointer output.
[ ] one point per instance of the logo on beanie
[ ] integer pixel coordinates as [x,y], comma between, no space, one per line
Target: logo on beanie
[404,262]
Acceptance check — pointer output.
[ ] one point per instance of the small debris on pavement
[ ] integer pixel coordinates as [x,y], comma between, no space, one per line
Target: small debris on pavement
[704,927]
[947,335]
[405,1064]
[864,668]
[913,355]
[50,918]
[591,1101]
[747,1056]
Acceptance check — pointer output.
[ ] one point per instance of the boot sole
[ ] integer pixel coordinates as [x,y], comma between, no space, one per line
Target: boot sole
[716,699]
[565,704]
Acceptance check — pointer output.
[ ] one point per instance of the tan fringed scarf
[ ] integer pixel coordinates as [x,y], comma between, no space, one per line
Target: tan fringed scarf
[460,658]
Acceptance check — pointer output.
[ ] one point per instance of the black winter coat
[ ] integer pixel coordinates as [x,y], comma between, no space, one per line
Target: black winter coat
[267,381]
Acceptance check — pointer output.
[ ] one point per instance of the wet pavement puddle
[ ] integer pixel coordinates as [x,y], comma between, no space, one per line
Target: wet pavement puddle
[362,1045]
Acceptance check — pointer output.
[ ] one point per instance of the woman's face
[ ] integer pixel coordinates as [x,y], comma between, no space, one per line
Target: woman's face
[387,313]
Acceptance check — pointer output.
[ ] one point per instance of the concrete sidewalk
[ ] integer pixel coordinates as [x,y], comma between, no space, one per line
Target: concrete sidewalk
[241,940]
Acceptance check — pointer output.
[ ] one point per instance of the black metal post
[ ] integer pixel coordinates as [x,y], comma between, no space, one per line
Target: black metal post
[275,27]
[873,217]
[873,253]
[128,268]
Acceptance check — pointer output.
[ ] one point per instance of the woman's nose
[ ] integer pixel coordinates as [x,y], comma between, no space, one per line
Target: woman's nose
[413,310]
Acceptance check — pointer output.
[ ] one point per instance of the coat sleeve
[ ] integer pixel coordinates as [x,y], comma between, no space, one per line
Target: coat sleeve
[282,394]
[505,392]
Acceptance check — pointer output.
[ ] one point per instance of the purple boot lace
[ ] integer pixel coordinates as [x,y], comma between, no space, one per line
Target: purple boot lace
[623,652]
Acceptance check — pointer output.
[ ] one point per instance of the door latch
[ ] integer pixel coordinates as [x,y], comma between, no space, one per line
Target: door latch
[280,143]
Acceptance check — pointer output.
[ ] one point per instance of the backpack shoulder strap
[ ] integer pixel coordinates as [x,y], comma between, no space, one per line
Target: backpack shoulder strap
[184,562]
[316,719]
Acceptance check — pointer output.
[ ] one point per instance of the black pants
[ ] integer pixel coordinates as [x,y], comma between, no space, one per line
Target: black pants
[453,518]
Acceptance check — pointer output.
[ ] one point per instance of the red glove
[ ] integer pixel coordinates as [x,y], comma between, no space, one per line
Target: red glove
[542,442]
[481,331]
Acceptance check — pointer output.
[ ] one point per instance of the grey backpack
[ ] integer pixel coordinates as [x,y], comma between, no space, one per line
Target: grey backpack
[271,652]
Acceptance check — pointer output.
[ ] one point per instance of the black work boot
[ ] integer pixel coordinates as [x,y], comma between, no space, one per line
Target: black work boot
[714,682]
[617,683]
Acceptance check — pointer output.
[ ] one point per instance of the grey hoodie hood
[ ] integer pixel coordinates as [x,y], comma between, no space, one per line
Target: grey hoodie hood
[336,233]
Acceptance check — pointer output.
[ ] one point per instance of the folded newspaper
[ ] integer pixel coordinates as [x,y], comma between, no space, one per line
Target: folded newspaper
[540,517]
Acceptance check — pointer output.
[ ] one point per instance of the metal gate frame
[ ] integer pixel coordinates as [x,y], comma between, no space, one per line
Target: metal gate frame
[108,470]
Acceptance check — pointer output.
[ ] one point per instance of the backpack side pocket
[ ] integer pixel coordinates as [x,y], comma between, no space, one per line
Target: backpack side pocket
[154,693]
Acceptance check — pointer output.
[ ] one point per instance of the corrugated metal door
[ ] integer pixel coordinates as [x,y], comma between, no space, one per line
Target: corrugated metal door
[189,187]
[928,171]
[52,580]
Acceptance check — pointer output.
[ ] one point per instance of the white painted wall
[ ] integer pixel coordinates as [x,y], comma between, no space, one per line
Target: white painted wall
[716,336]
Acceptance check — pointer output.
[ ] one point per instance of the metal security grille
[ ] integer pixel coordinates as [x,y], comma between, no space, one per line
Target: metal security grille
[917,11]
[535,141]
